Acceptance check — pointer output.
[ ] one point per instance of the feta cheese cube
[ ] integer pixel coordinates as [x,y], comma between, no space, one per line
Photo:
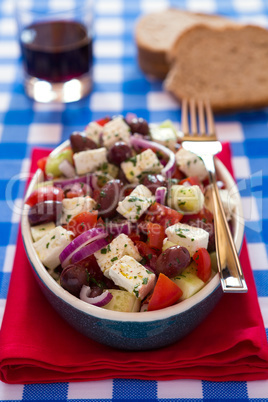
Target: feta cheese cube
[49,247]
[187,200]
[41,230]
[142,190]
[93,131]
[149,162]
[132,276]
[73,206]
[115,130]
[188,236]
[133,206]
[145,162]
[120,246]
[132,169]
[88,161]
[190,164]
[228,202]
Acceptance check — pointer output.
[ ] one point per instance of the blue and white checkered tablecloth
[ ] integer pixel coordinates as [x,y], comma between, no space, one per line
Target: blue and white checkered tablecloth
[119,87]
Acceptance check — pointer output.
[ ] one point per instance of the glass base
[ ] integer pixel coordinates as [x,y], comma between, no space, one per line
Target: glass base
[64,92]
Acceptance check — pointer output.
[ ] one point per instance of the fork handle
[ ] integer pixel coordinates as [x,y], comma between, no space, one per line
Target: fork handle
[231,275]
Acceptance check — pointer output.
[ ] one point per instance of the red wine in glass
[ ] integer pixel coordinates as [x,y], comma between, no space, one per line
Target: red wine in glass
[56,51]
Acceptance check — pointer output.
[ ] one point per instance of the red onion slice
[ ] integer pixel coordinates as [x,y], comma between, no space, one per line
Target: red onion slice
[88,250]
[137,141]
[160,195]
[67,169]
[79,242]
[93,182]
[67,183]
[98,301]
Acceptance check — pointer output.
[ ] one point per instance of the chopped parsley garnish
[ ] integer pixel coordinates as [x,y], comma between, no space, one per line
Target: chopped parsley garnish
[53,237]
[133,198]
[145,281]
[114,259]
[47,245]
[133,160]
[135,291]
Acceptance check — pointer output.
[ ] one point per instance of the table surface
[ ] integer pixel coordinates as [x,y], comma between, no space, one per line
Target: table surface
[119,87]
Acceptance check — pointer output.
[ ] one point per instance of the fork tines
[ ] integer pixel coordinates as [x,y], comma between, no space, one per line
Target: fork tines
[201,118]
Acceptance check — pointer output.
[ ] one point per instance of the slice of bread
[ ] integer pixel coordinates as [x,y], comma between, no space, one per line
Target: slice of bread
[228,65]
[156,36]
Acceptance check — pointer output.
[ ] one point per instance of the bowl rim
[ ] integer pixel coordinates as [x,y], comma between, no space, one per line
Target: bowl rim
[101,313]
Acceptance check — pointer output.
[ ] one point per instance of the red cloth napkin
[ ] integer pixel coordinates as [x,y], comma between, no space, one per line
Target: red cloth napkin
[37,345]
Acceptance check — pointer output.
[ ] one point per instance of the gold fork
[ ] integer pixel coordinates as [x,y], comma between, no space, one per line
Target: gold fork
[203,142]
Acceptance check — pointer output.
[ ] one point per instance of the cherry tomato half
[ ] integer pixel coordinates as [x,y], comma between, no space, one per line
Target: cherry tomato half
[162,215]
[204,215]
[149,254]
[41,163]
[103,121]
[193,181]
[82,222]
[156,235]
[46,193]
[165,293]
[203,262]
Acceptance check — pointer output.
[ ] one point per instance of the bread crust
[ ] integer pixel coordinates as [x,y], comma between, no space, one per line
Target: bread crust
[156,35]
[230,76]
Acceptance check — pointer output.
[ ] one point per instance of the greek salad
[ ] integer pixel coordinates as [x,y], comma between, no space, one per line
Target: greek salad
[123,219]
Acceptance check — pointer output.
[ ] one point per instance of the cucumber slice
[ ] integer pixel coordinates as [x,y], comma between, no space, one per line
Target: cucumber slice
[167,244]
[43,184]
[53,162]
[39,231]
[168,124]
[188,282]
[187,200]
[165,135]
[123,301]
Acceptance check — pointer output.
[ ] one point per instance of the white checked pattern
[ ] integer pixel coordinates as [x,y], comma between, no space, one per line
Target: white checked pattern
[96,390]
[111,102]
[161,101]
[183,388]
[44,133]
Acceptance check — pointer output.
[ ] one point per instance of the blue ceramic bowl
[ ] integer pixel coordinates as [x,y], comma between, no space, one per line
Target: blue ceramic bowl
[133,331]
